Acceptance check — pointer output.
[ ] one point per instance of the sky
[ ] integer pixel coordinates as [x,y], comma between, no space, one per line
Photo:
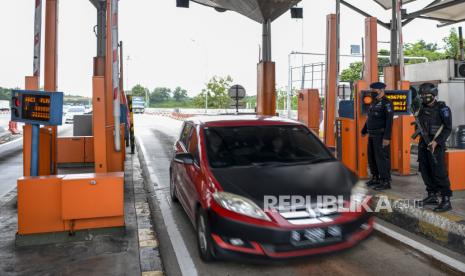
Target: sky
[167,46]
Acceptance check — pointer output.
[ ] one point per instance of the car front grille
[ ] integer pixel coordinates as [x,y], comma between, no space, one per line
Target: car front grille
[347,229]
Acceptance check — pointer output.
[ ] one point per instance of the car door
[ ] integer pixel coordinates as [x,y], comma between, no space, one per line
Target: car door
[179,170]
[193,173]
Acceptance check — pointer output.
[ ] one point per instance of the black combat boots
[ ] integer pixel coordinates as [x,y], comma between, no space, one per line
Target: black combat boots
[384,185]
[431,199]
[444,205]
[374,181]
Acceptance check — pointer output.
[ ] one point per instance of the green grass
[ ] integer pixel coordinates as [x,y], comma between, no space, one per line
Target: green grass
[173,104]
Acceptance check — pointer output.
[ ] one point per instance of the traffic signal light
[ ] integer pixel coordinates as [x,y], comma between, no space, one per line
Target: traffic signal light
[367,98]
[366,101]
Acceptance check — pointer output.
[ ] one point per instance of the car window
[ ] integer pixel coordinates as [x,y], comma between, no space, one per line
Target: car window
[185,134]
[193,147]
[258,145]
[76,109]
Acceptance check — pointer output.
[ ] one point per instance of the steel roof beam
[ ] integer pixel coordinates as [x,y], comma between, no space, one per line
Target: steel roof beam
[354,8]
[433,8]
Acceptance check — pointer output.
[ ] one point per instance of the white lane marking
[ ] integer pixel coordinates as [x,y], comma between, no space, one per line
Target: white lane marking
[186,264]
[422,248]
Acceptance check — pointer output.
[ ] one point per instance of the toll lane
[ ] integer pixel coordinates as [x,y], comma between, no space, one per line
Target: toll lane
[377,255]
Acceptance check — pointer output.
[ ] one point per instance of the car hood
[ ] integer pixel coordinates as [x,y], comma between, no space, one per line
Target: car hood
[328,178]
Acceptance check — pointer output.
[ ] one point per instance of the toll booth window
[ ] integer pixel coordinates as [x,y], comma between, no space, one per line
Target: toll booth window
[193,147]
[263,145]
[184,139]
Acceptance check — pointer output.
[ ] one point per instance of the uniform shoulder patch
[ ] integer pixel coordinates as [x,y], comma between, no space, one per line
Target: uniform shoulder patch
[388,105]
[445,111]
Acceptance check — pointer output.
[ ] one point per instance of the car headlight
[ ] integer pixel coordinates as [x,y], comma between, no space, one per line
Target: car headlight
[359,192]
[240,205]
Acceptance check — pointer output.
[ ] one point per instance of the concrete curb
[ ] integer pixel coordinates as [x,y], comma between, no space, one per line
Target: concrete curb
[445,229]
[149,255]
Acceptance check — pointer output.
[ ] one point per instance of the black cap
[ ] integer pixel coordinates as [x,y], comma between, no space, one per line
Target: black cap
[378,85]
[428,88]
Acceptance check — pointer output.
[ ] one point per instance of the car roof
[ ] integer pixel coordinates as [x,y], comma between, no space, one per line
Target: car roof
[218,120]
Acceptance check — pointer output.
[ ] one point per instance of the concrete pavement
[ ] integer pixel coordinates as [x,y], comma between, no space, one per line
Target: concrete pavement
[377,255]
[133,251]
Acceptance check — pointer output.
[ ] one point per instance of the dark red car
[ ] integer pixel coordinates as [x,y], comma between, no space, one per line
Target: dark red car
[251,185]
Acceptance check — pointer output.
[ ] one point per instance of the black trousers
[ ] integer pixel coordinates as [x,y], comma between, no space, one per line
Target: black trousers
[434,172]
[379,158]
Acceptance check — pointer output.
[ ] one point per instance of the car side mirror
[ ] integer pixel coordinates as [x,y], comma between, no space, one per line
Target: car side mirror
[184,158]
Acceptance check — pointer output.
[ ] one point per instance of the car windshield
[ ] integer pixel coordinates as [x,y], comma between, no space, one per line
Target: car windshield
[76,109]
[263,145]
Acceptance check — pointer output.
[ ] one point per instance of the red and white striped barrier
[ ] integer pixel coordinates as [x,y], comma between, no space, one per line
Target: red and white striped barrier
[13,127]
[37,36]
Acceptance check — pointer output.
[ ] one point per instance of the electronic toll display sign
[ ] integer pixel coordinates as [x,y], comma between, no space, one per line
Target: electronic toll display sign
[401,101]
[37,107]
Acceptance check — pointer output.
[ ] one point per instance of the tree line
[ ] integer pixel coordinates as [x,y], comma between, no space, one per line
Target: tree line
[431,51]
[5,94]
[215,93]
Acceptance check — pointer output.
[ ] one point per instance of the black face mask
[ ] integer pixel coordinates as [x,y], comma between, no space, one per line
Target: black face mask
[374,95]
[427,99]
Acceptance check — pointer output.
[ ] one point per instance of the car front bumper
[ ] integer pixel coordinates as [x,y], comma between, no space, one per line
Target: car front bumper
[274,242]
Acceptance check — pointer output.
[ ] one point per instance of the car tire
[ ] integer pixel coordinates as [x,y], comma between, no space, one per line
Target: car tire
[173,196]
[204,239]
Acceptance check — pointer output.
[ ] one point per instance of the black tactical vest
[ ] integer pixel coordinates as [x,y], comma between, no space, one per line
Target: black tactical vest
[430,117]
[377,115]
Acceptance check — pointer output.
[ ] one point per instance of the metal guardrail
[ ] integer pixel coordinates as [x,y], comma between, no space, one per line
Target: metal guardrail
[201,111]
[12,145]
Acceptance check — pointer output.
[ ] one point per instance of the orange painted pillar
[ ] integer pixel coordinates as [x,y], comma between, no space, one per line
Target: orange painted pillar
[395,143]
[406,131]
[362,142]
[266,88]
[391,77]
[309,108]
[50,67]
[330,86]
[105,157]
[370,73]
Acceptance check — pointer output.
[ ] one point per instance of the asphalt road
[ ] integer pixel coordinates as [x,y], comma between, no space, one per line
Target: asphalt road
[377,255]
[11,163]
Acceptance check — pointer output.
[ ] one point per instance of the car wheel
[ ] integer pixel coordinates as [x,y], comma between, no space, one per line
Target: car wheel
[204,240]
[173,196]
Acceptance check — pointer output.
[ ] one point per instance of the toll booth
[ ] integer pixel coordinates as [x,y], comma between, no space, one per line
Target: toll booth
[52,201]
[346,128]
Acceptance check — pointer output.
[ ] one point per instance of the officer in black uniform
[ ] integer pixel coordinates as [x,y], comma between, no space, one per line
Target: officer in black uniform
[436,120]
[378,127]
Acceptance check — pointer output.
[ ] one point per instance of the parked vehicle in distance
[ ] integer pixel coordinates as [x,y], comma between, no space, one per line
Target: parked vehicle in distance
[138,105]
[225,169]
[72,111]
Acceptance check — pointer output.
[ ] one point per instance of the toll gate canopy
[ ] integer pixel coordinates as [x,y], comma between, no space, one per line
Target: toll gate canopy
[257,10]
[387,4]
